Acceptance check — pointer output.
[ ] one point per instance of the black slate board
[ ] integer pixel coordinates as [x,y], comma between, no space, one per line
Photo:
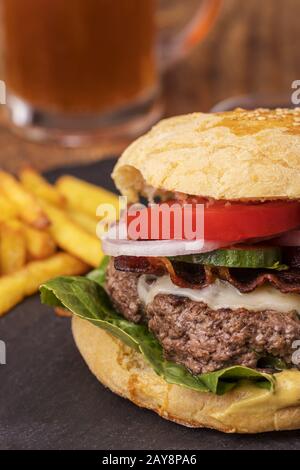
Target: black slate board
[49,399]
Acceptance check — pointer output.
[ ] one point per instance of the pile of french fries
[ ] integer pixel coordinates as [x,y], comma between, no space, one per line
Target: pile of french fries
[45,231]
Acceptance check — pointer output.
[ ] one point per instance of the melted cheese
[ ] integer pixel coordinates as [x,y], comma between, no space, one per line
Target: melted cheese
[221,294]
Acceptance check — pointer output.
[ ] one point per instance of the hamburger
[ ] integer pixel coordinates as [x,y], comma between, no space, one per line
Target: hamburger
[203,331]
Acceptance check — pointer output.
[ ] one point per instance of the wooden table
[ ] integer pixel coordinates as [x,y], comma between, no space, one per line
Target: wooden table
[253,47]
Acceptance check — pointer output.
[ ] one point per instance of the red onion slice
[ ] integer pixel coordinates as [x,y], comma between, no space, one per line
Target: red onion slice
[124,247]
[291,238]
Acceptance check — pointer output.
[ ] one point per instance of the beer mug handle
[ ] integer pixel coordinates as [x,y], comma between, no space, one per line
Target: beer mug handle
[178,47]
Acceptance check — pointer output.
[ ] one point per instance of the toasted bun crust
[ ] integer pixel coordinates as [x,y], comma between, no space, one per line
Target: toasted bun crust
[246,409]
[236,155]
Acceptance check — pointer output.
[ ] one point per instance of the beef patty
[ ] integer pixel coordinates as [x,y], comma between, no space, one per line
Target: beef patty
[203,339]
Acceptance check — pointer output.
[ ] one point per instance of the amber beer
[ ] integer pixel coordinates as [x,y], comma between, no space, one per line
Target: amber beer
[79,56]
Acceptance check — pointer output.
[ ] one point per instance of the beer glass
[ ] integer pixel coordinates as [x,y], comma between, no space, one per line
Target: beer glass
[83,70]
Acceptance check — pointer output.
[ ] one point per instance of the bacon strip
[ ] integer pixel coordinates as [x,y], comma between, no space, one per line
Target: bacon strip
[285,281]
[196,276]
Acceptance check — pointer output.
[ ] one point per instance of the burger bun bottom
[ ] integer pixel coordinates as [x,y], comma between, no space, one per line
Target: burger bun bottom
[245,409]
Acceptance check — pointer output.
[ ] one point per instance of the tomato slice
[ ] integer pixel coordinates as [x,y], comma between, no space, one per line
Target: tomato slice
[243,221]
[234,222]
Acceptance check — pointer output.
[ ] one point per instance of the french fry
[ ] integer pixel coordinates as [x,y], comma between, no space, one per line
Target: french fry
[60,264]
[15,287]
[39,186]
[72,238]
[62,312]
[39,243]
[83,196]
[7,209]
[27,206]
[84,220]
[11,290]
[12,247]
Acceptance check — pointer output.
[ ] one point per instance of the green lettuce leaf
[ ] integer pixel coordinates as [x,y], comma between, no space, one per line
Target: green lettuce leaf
[223,380]
[87,299]
[279,266]
[99,274]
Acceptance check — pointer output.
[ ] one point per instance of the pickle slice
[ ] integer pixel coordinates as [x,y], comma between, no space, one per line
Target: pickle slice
[244,257]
